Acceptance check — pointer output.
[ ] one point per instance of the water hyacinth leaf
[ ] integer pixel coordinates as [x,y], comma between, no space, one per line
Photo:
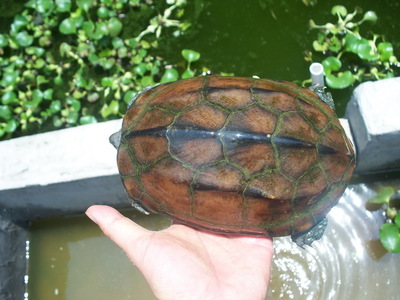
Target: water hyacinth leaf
[111,109]
[320,47]
[140,69]
[386,50]
[55,106]
[383,196]
[19,23]
[340,81]
[107,82]
[128,97]
[390,237]
[335,44]
[366,51]
[187,74]
[117,42]
[11,126]
[84,4]
[3,41]
[24,39]
[331,63]
[170,75]
[190,55]
[88,27]
[9,78]
[87,120]
[8,98]
[351,42]
[114,27]
[5,112]
[44,6]
[339,10]
[397,220]
[147,80]
[63,5]
[370,16]
[103,12]
[67,26]
[74,104]
[72,117]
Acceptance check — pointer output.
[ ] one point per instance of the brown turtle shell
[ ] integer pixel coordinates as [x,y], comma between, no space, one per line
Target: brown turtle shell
[235,155]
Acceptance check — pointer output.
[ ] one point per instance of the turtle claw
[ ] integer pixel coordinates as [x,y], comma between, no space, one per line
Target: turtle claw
[137,205]
[308,237]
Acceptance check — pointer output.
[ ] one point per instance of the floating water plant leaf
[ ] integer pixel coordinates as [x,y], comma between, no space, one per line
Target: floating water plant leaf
[5,112]
[44,6]
[365,50]
[87,120]
[170,75]
[67,26]
[335,44]
[386,50]
[320,46]
[19,23]
[3,41]
[111,109]
[103,12]
[8,97]
[129,95]
[340,81]
[351,42]
[114,27]
[140,69]
[370,16]
[383,196]
[340,10]
[187,74]
[331,63]
[390,237]
[24,39]
[84,4]
[190,55]
[63,5]
[11,126]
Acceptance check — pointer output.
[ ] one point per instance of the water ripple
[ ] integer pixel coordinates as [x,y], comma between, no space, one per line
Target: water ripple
[347,263]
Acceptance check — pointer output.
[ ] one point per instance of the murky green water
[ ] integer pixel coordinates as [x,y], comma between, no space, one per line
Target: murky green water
[268,38]
[71,260]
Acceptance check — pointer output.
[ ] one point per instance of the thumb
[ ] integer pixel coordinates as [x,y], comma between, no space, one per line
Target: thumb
[121,230]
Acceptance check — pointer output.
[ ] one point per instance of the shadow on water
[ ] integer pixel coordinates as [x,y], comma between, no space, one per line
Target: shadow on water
[70,259]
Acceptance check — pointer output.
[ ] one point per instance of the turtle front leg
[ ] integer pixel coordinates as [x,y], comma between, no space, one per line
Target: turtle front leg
[307,237]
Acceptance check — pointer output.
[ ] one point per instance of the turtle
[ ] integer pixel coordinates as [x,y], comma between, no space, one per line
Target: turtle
[235,155]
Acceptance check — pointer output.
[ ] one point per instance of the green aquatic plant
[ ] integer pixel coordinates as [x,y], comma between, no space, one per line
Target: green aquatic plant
[349,56]
[65,63]
[390,231]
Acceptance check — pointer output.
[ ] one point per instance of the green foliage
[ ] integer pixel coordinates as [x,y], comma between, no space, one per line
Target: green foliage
[70,62]
[349,57]
[390,231]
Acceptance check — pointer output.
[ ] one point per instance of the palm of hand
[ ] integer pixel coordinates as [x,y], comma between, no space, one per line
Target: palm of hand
[181,262]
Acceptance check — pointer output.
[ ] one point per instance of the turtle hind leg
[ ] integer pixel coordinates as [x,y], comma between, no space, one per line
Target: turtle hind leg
[308,237]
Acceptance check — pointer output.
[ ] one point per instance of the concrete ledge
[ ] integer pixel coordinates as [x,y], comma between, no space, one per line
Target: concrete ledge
[373,113]
[59,156]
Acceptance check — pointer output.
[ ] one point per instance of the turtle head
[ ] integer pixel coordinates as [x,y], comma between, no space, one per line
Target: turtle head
[115,139]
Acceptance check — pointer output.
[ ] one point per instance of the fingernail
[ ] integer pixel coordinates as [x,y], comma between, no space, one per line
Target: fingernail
[90,215]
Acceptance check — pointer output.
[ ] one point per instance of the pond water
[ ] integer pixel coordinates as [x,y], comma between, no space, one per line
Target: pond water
[70,259]
[268,38]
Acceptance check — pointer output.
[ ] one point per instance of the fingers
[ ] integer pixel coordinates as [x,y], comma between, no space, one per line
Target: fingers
[114,225]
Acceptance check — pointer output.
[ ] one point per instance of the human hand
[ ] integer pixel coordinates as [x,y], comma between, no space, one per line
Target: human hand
[181,262]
